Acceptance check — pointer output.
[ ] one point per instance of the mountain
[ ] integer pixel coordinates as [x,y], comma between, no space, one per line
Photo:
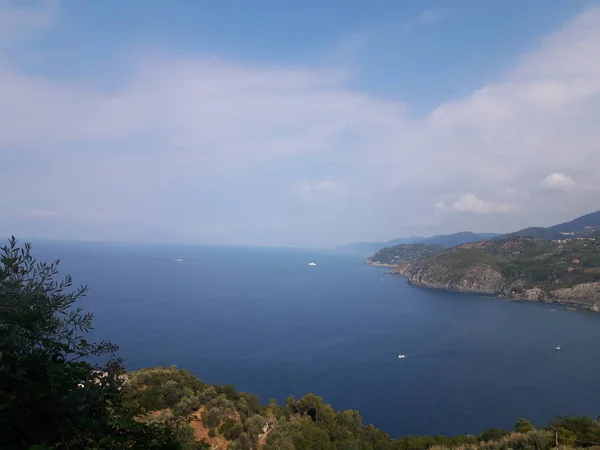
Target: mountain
[402,253]
[516,267]
[452,240]
[579,227]
[447,240]
[371,247]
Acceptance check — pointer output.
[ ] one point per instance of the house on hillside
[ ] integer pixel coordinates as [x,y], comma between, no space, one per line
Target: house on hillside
[575,261]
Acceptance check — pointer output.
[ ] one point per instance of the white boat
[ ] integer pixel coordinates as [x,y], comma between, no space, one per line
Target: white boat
[401,356]
[558,349]
[312,264]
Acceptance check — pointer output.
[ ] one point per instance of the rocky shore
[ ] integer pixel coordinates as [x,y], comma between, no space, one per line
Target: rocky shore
[482,279]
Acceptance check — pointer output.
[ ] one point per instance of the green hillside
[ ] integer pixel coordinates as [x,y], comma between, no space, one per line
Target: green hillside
[402,253]
[517,267]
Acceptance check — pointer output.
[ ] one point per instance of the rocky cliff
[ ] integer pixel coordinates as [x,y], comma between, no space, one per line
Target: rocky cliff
[566,271]
[478,278]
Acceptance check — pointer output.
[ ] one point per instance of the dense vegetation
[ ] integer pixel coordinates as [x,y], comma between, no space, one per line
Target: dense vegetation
[521,268]
[52,397]
[532,262]
[404,253]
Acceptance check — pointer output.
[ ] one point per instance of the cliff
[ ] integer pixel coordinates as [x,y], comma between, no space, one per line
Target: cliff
[565,270]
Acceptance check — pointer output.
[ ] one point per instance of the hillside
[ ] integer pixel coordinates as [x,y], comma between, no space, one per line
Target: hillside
[520,268]
[452,240]
[371,247]
[447,240]
[403,253]
[579,227]
[220,418]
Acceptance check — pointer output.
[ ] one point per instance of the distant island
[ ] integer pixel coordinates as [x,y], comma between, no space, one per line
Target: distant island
[563,269]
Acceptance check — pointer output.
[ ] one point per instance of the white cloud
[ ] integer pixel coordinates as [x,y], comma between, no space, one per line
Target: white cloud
[35,214]
[558,182]
[228,138]
[320,191]
[470,203]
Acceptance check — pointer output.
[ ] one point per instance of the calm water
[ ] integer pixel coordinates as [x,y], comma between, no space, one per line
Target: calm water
[266,322]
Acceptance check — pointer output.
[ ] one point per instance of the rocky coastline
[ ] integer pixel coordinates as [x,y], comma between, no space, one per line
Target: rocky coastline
[481,279]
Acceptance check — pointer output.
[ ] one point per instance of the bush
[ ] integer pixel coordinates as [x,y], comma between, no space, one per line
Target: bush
[49,394]
[523,426]
[231,429]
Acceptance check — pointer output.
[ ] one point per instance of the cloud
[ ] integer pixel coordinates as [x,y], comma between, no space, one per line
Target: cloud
[194,145]
[320,191]
[427,17]
[470,203]
[558,182]
[36,214]
[18,21]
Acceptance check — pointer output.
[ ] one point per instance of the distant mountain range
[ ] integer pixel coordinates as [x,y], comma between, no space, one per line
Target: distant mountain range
[579,227]
[452,240]
[560,263]
[446,240]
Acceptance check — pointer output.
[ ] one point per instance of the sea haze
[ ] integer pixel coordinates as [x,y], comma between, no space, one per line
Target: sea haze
[266,322]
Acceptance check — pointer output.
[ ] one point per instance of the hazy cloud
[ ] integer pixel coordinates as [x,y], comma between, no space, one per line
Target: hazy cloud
[427,17]
[558,182]
[36,214]
[214,150]
[470,203]
[320,191]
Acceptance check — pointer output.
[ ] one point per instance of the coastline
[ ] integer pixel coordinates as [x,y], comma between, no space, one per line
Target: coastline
[376,264]
[564,304]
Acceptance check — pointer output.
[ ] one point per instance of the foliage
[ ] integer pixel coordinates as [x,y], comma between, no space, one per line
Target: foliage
[523,426]
[404,253]
[523,262]
[582,429]
[50,396]
[492,434]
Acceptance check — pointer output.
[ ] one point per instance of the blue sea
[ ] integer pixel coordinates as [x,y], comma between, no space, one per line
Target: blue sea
[264,321]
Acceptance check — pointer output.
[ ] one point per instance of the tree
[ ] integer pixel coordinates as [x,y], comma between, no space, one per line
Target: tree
[50,395]
[255,426]
[492,434]
[523,426]
[566,437]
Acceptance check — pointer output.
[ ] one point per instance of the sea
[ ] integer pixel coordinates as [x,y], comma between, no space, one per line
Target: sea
[266,322]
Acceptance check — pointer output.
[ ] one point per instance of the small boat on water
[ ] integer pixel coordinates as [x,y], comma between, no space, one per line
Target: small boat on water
[312,264]
[401,356]
[558,349]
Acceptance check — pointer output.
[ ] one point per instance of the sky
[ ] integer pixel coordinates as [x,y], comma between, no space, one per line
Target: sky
[302,123]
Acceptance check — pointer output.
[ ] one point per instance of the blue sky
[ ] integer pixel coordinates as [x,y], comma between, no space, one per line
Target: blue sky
[296,123]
